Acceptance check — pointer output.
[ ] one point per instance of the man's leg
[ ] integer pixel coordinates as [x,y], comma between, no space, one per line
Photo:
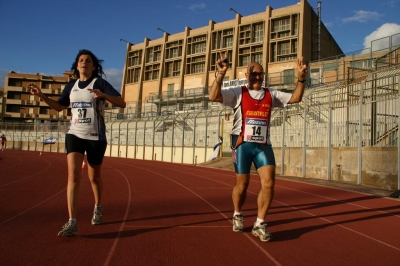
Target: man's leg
[266,194]
[239,192]
[264,200]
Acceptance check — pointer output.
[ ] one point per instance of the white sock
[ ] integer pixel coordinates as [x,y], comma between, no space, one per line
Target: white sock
[236,213]
[259,221]
[72,220]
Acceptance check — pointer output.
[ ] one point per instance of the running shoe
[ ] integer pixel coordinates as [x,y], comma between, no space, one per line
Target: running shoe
[97,215]
[262,232]
[69,229]
[238,223]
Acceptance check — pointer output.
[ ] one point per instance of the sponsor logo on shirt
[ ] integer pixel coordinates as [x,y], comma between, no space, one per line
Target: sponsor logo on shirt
[82,120]
[256,122]
[255,138]
[256,113]
[81,105]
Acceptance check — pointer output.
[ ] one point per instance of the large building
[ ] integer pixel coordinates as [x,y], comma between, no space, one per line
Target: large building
[20,105]
[179,68]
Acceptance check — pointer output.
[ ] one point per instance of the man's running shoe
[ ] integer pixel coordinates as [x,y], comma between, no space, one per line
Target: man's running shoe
[69,229]
[97,215]
[262,232]
[238,223]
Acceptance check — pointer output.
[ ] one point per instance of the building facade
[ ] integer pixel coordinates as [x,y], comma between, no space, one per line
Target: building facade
[174,73]
[20,105]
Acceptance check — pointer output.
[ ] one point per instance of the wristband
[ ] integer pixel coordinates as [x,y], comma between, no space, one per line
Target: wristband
[301,81]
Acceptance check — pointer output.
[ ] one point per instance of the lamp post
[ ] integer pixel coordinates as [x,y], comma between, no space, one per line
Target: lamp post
[231,9]
[122,40]
[162,30]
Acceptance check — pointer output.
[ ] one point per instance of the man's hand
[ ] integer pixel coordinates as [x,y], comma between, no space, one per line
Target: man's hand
[302,69]
[221,65]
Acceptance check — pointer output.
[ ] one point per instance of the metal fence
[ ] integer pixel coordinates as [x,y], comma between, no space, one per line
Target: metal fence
[331,116]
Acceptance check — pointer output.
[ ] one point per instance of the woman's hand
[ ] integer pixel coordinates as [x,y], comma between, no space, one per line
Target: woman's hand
[35,89]
[97,93]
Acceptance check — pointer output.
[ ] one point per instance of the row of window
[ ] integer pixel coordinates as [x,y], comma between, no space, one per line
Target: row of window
[280,51]
[251,38]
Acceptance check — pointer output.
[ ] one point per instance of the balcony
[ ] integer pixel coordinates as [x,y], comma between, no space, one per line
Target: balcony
[179,96]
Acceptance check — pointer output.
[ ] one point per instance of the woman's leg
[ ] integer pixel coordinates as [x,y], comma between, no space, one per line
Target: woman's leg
[94,173]
[74,160]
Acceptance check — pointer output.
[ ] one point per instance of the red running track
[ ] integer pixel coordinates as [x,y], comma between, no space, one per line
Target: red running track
[158,213]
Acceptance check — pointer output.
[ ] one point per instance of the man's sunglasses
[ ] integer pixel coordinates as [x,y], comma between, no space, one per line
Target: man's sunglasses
[255,74]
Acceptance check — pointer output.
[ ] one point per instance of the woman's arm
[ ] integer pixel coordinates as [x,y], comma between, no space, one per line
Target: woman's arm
[50,102]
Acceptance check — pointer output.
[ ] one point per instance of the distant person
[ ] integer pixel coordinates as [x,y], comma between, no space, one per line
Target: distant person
[3,140]
[252,105]
[87,133]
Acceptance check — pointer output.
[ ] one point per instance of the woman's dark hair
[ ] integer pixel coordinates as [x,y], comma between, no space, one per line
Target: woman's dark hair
[97,72]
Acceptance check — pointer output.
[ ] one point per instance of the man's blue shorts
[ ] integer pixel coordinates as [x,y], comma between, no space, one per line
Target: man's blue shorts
[252,152]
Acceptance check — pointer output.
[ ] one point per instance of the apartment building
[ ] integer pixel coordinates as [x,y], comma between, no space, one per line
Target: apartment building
[175,72]
[21,106]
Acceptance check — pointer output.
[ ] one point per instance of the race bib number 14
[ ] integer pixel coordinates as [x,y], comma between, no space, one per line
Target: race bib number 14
[255,130]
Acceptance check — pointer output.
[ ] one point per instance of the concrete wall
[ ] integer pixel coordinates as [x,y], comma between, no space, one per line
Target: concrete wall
[378,167]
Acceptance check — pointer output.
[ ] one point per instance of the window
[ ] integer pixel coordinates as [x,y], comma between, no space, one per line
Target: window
[44,110]
[173,49]
[133,75]
[151,72]
[153,54]
[258,30]
[282,24]
[288,76]
[170,92]
[294,46]
[333,66]
[46,85]
[284,27]
[283,48]
[196,44]
[295,24]
[173,68]
[134,58]
[251,33]
[222,39]
[244,60]
[250,54]
[14,82]
[195,64]
[12,108]
[14,95]
[245,34]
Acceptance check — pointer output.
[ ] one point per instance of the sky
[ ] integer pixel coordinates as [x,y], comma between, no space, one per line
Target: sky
[45,36]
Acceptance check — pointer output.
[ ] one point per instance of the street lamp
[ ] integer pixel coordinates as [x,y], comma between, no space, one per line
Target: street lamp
[231,9]
[162,30]
[122,40]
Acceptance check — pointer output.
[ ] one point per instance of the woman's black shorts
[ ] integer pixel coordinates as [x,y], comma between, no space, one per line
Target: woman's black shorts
[94,149]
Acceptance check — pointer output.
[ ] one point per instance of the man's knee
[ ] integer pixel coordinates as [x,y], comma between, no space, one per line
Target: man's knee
[267,176]
[242,181]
